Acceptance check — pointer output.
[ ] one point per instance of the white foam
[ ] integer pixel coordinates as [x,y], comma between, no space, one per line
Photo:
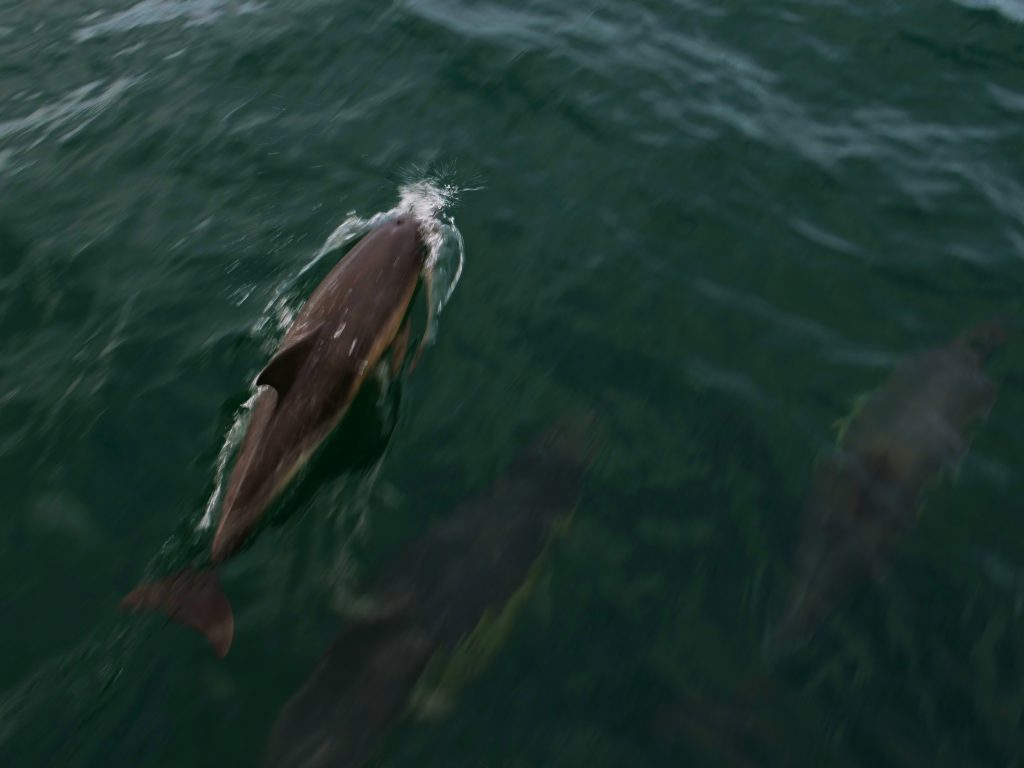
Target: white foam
[427,202]
[75,111]
[1010,9]
[149,12]
[231,441]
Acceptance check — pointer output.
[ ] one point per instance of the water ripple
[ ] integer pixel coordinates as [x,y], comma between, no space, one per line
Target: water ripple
[73,111]
[148,12]
[1009,9]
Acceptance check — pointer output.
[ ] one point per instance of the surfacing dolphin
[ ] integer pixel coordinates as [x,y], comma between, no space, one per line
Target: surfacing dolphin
[445,606]
[339,337]
[865,495]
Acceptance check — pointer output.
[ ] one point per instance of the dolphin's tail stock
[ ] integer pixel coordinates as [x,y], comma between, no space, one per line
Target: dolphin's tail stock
[193,598]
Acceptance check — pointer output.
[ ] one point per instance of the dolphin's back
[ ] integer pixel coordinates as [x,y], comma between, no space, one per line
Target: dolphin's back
[364,287]
[919,421]
[474,561]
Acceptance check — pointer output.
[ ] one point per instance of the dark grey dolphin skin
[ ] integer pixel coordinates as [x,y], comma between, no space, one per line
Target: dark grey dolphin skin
[338,338]
[865,495]
[466,569]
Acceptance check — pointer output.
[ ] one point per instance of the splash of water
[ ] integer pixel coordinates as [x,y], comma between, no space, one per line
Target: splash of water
[427,201]
[231,441]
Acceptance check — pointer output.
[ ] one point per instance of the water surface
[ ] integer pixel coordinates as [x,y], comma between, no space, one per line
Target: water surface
[718,223]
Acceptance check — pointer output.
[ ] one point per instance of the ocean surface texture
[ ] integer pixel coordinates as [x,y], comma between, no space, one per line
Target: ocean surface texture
[715,225]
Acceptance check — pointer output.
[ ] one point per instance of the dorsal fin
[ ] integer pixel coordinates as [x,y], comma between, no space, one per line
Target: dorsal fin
[285,365]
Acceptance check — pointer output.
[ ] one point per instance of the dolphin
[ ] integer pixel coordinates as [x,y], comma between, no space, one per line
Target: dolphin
[445,604]
[865,494]
[339,337]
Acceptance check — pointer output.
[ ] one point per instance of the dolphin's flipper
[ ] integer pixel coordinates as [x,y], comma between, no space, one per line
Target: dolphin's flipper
[192,598]
[285,365]
[428,284]
[399,349]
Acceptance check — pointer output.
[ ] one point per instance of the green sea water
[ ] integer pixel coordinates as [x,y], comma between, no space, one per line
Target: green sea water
[715,223]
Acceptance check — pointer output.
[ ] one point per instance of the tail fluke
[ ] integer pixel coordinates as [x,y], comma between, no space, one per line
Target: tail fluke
[192,598]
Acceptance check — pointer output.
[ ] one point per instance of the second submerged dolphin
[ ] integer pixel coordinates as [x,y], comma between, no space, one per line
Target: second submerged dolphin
[445,603]
[865,494]
[339,337]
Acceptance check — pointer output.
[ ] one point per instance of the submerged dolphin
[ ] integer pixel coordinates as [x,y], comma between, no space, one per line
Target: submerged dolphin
[447,602]
[338,338]
[865,495]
